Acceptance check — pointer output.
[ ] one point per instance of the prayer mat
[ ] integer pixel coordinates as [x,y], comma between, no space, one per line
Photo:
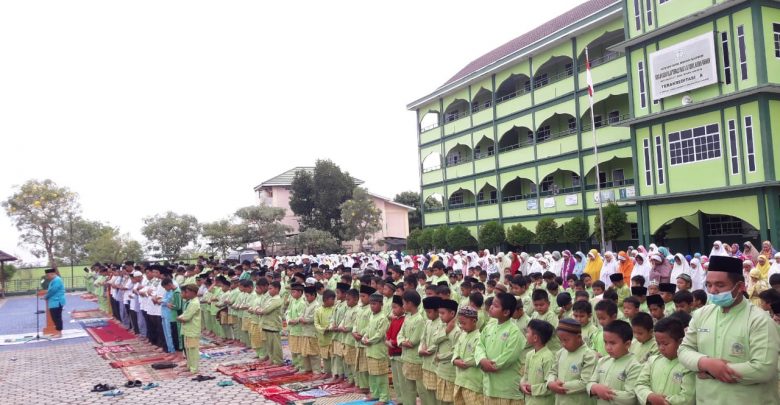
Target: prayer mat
[93,323]
[222,351]
[332,400]
[87,313]
[146,360]
[114,349]
[146,373]
[110,333]
[361,402]
[231,370]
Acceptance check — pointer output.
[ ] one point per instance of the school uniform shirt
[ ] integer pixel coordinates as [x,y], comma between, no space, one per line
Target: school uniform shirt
[575,370]
[669,378]
[643,351]
[159,291]
[528,304]
[375,331]
[590,335]
[336,317]
[538,364]
[464,349]
[308,329]
[446,344]
[322,318]
[620,376]
[429,343]
[745,337]
[411,331]
[622,293]
[190,326]
[363,315]
[502,344]
[550,317]
[669,308]
[272,313]
[387,306]
[295,311]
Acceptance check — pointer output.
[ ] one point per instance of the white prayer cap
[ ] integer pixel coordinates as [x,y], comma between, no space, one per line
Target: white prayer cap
[137,274]
[311,281]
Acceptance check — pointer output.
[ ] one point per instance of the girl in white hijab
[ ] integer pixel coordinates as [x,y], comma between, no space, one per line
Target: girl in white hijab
[718,250]
[775,267]
[533,266]
[698,275]
[609,268]
[641,267]
[680,266]
[556,262]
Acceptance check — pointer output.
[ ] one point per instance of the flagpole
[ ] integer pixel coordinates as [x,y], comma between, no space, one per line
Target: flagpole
[595,149]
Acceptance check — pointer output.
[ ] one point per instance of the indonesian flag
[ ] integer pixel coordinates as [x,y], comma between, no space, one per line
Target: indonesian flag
[587,75]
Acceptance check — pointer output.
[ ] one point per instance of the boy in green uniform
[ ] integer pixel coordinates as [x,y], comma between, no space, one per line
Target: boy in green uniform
[581,311]
[216,292]
[620,287]
[256,337]
[428,349]
[640,293]
[271,311]
[663,380]
[573,366]
[667,290]
[615,376]
[373,339]
[543,312]
[656,306]
[358,330]
[190,326]
[295,307]
[445,338]
[538,364]
[409,338]
[606,313]
[337,345]
[564,305]
[498,353]
[322,319]
[345,327]
[630,308]
[468,376]
[644,344]
[310,348]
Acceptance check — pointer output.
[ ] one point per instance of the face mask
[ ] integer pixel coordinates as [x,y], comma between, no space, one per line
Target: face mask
[723,300]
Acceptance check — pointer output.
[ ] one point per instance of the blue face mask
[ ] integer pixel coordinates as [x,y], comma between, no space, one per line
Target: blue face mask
[723,300]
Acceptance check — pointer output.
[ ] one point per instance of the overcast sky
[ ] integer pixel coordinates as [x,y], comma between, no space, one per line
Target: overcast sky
[148,106]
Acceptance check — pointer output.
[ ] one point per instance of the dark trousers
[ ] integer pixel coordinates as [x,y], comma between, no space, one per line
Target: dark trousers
[134,320]
[159,336]
[149,326]
[175,337]
[56,316]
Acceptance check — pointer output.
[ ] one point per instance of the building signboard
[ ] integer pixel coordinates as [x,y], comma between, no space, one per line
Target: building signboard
[683,67]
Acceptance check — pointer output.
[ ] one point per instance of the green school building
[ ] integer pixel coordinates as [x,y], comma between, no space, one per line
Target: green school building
[687,94]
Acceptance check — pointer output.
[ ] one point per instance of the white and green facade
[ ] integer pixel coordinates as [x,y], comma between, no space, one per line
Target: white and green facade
[509,138]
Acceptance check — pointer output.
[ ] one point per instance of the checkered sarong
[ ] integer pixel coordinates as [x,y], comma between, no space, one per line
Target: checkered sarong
[325,351]
[246,324]
[338,348]
[350,355]
[294,343]
[191,342]
[377,366]
[445,390]
[502,401]
[429,380]
[465,396]
[411,371]
[309,346]
[257,336]
[361,364]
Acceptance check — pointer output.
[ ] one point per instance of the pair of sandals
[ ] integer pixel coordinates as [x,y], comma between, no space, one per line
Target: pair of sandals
[134,384]
[201,378]
[102,388]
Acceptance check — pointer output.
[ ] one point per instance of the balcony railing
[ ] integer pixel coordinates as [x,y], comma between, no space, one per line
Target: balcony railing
[612,184]
[487,202]
[431,169]
[518,145]
[539,83]
[610,121]
[518,197]
[429,127]
[483,155]
[601,60]
[452,117]
[518,93]
[555,135]
[459,162]
[560,191]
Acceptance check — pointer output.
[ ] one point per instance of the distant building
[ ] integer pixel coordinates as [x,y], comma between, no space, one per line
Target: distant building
[275,192]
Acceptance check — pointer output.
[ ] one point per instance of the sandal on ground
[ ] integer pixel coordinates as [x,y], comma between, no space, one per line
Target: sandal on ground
[150,386]
[225,383]
[113,393]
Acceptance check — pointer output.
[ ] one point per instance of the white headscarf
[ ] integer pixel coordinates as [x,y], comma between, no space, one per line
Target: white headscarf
[775,267]
[642,269]
[718,249]
[698,275]
[679,269]
[608,268]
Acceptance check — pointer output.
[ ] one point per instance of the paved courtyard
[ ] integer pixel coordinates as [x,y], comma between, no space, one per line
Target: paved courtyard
[64,372]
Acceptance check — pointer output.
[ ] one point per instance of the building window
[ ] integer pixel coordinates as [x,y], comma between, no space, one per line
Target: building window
[659,159]
[569,68]
[776,31]
[527,86]
[733,153]
[724,41]
[694,145]
[452,116]
[648,169]
[743,67]
[618,178]
[543,134]
[541,80]
[492,194]
[575,180]
[453,159]
[634,231]
[642,91]
[530,136]
[649,12]
[724,225]
[637,15]
[572,124]
[597,121]
[456,199]
[751,147]
[603,179]
[613,117]
[547,183]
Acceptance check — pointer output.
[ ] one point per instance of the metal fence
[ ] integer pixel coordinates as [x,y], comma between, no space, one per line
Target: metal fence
[26,286]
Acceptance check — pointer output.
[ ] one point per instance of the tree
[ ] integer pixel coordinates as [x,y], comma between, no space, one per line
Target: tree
[615,222]
[459,237]
[111,247]
[433,203]
[518,235]
[316,198]
[412,199]
[361,218]
[261,223]
[74,245]
[40,210]
[222,236]
[439,238]
[171,233]
[315,241]
[576,231]
[426,239]
[547,232]
[413,240]
[8,273]
[491,235]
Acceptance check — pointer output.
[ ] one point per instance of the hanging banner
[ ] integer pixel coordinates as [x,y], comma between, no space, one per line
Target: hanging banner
[684,66]
[571,199]
[532,204]
[549,202]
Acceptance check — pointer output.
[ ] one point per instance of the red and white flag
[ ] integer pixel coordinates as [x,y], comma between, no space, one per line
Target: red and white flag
[587,75]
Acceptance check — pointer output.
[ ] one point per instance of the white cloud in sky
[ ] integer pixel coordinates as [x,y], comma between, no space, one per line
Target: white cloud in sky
[147,106]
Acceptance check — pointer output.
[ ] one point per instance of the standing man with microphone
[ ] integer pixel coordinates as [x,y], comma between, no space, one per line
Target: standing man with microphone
[55,299]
